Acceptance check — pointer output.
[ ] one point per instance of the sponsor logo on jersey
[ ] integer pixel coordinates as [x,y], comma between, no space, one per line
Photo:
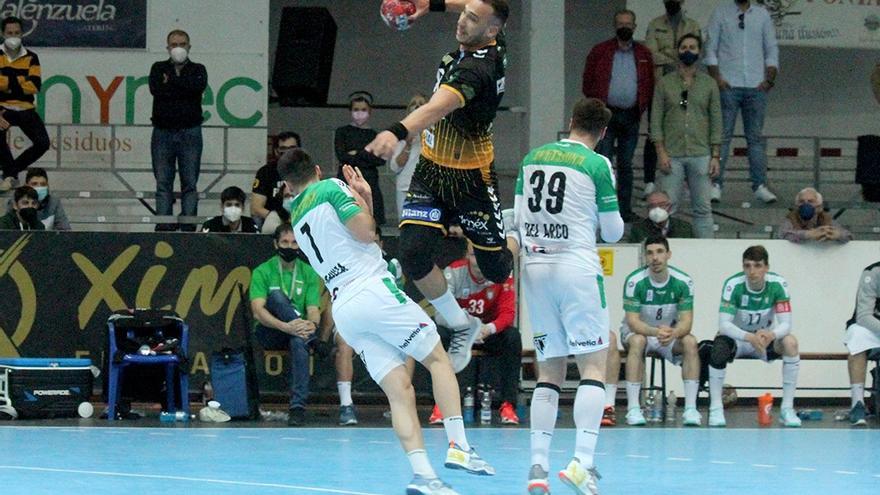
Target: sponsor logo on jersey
[649,296]
[412,336]
[782,307]
[499,86]
[744,301]
[490,294]
[475,221]
[334,272]
[585,343]
[540,342]
[417,212]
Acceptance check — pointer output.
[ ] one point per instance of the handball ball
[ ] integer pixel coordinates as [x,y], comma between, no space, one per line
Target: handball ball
[395,13]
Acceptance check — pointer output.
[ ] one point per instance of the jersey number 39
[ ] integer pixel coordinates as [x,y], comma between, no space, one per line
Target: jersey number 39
[555,192]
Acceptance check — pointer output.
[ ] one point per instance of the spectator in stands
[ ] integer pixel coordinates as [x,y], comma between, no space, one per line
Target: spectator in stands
[808,221]
[620,72]
[662,39]
[863,336]
[875,82]
[177,85]
[406,156]
[349,143]
[686,128]
[23,215]
[232,204]
[49,211]
[285,296]
[743,57]
[495,305]
[20,81]
[266,192]
[280,215]
[660,221]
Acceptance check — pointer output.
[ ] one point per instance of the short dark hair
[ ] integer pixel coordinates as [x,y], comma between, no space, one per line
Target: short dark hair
[590,115]
[656,239]
[24,192]
[284,136]
[501,8]
[756,253]
[36,172]
[360,96]
[296,166]
[691,36]
[624,12]
[177,31]
[11,20]
[281,230]
[232,192]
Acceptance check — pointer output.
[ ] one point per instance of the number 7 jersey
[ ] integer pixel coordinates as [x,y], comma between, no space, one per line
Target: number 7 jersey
[753,311]
[560,191]
[318,216]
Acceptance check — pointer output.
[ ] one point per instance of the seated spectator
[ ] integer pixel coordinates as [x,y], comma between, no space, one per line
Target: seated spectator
[232,204]
[267,186]
[808,221]
[660,221]
[285,296]
[23,215]
[495,305]
[281,215]
[49,211]
[862,336]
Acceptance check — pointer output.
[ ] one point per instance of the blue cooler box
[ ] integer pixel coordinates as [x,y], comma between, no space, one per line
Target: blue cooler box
[44,388]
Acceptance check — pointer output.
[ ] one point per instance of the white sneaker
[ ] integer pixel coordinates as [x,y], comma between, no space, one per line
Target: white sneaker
[764,194]
[716,193]
[634,417]
[716,418]
[789,417]
[457,458]
[691,417]
[538,482]
[461,343]
[649,188]
[581,480]
[425,486]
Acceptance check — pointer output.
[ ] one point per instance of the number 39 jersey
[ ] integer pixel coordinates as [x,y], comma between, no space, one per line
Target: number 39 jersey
[657,304]
[560,191]
[754,311]
[318,216]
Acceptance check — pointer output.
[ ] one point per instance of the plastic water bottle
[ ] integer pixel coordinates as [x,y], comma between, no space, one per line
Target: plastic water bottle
[468,409]
[167,417]
[670,407]
[486,407]
[655,413]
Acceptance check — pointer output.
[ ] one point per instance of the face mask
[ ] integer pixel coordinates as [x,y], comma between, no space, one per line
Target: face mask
[806,211]
[28,215]
[360,116]
[42,192]
[287,254]
[688,58]
[287,203]
[624,34]
[12,43]
[672,8]
[232,213]
[658,215]
[179,54]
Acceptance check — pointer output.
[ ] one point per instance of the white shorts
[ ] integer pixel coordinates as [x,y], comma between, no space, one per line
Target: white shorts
[567,310]
[383,325]
[859,339]
[664,351]
[746,350]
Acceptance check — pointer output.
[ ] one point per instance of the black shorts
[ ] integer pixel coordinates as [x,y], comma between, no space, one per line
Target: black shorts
[440,196]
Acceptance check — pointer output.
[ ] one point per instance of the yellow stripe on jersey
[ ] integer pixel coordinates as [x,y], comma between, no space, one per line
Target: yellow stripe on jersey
[457,93]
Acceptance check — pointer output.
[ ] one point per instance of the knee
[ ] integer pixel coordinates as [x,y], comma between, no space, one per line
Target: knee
[495,265]
[723,352]
[636,343]
[399,390]
[416,250]
[790,345]
[689,345]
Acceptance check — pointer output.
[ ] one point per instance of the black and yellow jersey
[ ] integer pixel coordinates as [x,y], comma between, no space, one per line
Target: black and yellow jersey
[463,138]
[20,80]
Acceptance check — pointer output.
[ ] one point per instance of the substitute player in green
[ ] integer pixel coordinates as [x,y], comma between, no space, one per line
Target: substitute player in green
[659,303]
[755,322]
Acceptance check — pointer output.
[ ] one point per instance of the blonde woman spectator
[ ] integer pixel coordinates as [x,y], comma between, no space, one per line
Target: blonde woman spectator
[406,156]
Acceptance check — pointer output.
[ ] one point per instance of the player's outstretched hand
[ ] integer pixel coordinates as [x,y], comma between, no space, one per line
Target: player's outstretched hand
[383,145]
[356,181]
[422,7]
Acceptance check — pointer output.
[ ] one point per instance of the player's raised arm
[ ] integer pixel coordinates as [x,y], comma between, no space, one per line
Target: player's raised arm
[442,103]
[362,226]
[425,6]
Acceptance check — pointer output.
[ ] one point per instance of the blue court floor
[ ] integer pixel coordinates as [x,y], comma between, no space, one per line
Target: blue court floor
[364,461]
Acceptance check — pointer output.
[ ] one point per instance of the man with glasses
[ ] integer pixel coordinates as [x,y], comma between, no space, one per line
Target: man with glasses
[266,193]
[686,129]
[659,221]
[743,57]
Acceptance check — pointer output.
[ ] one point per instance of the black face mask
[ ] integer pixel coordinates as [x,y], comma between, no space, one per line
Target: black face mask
[288,254]
[28,215]
[624,34]
[688,58]
[672,8]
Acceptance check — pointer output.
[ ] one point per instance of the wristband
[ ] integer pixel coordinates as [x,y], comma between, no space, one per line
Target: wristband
[399,130]
[437,6]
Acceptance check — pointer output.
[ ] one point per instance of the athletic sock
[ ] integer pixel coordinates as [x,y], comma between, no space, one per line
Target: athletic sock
[633,390]
[610,394]
[542,417]
[454,427]
[587,417]
[344,393]
[716,385]
[790,367]
[449,309]
[690,393]
[421,466]
[857,391]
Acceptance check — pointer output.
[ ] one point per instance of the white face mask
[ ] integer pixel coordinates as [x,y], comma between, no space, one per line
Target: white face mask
[232,213]
[286,203]
[12,43]
[360,116]
[658,215]
[179,54]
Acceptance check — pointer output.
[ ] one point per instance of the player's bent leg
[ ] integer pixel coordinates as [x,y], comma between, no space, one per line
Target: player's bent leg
[542,421]
[496,264]
[580,474]
[791,362]
[688,349]
[635,363]
[723,352]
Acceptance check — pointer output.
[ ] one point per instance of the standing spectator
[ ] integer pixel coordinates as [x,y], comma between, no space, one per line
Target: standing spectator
[232,204]
[23,215]
[49,210]
[621,74]
[686,128]
[177,85]
[285,296]
[350,141]
[266,192]
[406,156]
[862,335]
[743,57]
[660,221]
[20,80]
[809,221]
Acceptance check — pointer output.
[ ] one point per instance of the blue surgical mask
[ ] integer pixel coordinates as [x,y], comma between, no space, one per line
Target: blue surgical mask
[806,211]
[42,192]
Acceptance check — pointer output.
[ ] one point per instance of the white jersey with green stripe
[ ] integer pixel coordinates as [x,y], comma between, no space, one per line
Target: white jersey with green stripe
[318,215]
[751,310]
[560,191]
[657,303]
